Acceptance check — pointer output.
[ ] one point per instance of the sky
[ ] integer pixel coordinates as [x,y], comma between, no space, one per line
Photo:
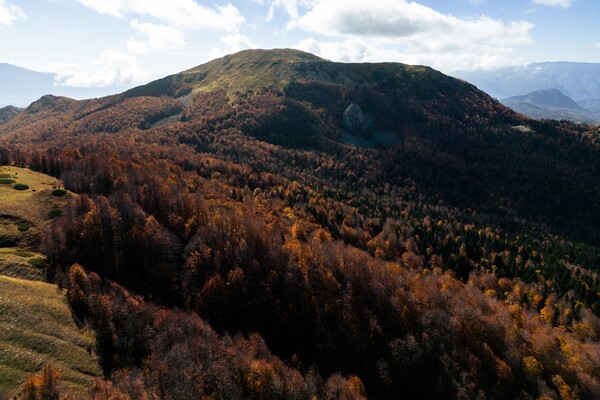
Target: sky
[97,43]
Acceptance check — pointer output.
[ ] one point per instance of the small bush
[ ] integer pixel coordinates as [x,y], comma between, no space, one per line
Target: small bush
[6,181]
[5,176]
[59,192]
[20,186]
[23,253]
[24,226]
[55,213]
[39,263]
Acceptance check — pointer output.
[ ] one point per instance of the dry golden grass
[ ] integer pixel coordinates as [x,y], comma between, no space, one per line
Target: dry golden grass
[36,328]
[23,264]
[24,213]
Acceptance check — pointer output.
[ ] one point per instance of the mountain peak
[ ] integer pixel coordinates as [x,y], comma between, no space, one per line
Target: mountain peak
[50,102]
[250,70]
[550,98]
[9,112]
[260,57]
[551,104]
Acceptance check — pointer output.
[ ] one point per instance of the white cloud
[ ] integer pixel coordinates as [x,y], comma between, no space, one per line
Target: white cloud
[183,14]
[233,44]
[10,13]
[154,37]
[171,20]
[554,3]
[396,19]
[290,7]
[383,30]
[238,42]
[356,50]
[113,67]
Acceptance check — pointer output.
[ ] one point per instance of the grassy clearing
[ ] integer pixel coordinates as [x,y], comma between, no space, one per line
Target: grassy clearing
[27,212]
[36,328]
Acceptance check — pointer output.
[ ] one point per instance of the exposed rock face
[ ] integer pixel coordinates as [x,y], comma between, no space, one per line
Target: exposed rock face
[356,122]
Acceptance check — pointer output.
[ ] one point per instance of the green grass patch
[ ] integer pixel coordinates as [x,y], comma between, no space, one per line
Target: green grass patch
[6,181]
[20,186]
[23,253]
[5,176]
[39,263]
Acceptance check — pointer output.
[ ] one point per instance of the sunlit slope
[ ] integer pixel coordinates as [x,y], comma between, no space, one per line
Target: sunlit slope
[36,328]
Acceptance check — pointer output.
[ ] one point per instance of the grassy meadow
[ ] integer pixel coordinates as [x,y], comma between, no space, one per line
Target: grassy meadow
[36,326]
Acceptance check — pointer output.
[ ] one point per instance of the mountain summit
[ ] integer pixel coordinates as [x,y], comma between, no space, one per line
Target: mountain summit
[390,97]
[552,99]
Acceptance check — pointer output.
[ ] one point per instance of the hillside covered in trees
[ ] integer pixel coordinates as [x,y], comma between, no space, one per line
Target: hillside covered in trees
[275,225]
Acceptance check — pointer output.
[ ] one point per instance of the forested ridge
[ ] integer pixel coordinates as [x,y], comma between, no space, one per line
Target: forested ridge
[229,241]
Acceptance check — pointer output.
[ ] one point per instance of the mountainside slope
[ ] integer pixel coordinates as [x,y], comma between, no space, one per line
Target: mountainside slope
[384,230]
[36,326]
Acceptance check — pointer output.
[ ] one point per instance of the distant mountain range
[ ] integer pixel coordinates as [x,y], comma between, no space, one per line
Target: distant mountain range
[552,104]
[21,86]
[576,80]
[540,82]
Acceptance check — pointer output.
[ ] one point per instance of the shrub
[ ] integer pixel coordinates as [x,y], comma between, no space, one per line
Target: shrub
[42,386]
[24,226]
[6,181]
[39,263]
[23,253]
[55,213]
[5,176]
[20,186]
[59,192]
